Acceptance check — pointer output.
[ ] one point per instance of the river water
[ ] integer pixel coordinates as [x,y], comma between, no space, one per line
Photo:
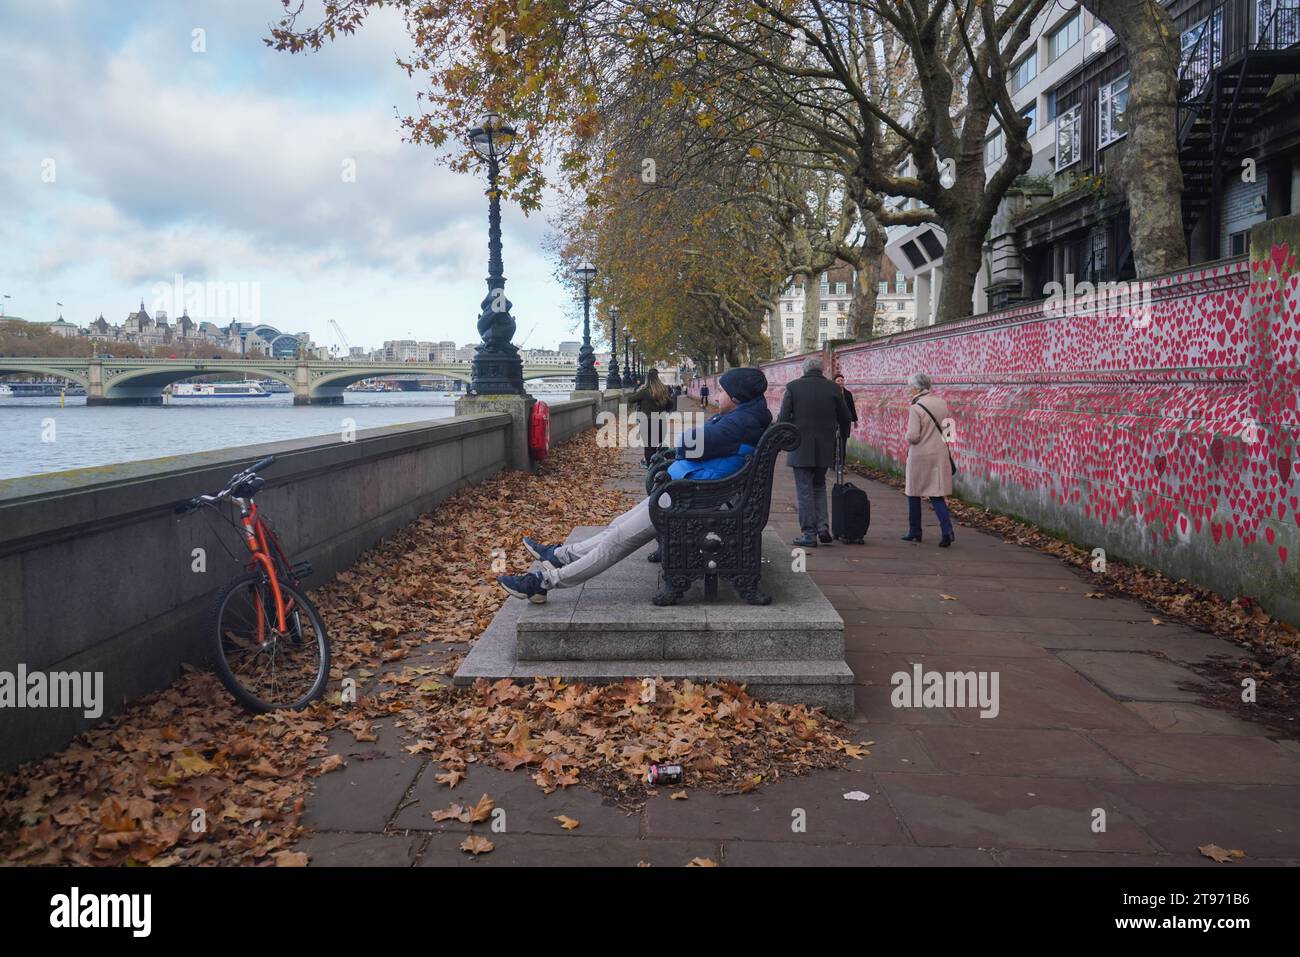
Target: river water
[37,436]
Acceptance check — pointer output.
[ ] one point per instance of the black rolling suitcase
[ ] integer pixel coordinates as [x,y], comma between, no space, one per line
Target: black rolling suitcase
[850,507]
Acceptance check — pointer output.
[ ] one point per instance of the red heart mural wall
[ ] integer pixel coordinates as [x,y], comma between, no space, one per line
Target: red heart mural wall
[1164,429]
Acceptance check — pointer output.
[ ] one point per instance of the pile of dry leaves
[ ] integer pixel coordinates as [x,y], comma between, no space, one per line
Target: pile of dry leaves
[606,737]
[1239,619]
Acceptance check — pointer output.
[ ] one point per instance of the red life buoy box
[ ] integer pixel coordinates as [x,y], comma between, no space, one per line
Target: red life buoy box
[539,431]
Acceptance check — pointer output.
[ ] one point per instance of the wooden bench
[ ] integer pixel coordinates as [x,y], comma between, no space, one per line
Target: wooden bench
[713,528]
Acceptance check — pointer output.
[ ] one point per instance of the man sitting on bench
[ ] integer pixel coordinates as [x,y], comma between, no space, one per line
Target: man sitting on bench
[720,450]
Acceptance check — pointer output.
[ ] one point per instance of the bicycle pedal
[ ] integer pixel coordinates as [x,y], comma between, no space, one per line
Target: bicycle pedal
[301,570]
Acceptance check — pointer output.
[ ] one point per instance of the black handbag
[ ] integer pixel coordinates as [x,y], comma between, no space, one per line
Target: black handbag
[951,464]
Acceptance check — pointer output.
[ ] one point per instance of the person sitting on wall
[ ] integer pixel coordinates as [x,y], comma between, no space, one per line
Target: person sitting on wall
[723,446]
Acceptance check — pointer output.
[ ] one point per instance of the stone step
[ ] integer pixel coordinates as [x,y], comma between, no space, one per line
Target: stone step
[612,617]
[814,682]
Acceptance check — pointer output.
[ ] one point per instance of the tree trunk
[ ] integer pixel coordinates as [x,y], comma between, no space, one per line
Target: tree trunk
[962,259]
[811,312]
[1151,175]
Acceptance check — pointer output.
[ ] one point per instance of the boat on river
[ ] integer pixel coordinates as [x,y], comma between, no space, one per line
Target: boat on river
[219,390]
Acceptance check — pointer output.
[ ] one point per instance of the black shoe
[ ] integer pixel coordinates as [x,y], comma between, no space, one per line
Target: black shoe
[945,541]
[911,538]
[805,541]
[825,538]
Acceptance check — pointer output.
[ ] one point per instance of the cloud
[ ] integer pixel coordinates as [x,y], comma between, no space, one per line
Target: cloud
[233,164]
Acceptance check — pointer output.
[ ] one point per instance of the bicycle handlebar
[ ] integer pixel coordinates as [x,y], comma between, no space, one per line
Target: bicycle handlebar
[201,500]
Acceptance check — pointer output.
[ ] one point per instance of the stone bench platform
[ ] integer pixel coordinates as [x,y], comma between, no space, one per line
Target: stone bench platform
[607,630]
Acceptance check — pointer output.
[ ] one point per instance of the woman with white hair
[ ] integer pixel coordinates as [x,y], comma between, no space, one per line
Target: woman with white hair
[929,463]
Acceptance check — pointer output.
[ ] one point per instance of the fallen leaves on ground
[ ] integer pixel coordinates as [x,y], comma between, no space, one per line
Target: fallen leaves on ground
[605,737]
[476,845]
[1219,854]
[702,862]
[567,822]
[186,776]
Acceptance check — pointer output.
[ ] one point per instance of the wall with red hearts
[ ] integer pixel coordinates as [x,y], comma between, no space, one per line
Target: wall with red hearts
[1167,435]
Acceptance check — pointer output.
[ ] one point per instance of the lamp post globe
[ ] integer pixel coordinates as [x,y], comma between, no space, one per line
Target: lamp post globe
[497,368]
[586,379]
[613,381]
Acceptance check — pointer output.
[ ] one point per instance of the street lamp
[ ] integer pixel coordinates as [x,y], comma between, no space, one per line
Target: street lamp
[636,378]
[627,362]
[612,381]
[497,368]
[586,380]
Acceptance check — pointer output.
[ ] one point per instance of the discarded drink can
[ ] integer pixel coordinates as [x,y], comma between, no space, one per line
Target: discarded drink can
[664,774]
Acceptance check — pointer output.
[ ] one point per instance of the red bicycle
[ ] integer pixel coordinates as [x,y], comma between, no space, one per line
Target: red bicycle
[269,645]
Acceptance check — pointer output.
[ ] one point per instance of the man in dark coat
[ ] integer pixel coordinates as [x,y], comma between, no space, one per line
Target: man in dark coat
[853,416]
[816,405]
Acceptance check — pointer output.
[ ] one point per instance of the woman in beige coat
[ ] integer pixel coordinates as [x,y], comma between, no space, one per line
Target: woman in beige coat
[929,466]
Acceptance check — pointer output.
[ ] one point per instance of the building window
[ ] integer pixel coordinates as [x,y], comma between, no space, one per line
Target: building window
[884,287]
[822,322]
[826,282]
[1064,37]
[1239,243]
[1030,113]
[789,323]
[789,341]
[994,148]
[841,288]
[826,306]
[1023,72]
[1049,114]
[1112,110]
[1067,138]
[900,282]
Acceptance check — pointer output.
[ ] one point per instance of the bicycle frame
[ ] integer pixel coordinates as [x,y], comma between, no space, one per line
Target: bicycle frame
[256,535]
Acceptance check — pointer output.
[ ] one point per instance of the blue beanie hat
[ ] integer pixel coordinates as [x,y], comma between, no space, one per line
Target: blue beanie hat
[743,384]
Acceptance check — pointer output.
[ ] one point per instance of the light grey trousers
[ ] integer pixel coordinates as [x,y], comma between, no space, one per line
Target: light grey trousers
[591,556]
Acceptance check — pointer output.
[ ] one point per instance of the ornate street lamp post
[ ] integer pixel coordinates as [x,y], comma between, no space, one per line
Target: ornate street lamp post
[612,381]
[497,368]
[586,380]
[627,363]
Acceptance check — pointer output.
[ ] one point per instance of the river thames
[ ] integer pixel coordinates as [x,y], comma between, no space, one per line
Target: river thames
[37,436]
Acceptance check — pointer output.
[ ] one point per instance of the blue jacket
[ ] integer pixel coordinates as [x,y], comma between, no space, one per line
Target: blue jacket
[723,443]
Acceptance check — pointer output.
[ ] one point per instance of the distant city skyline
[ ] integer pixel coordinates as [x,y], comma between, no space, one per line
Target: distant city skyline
[155,140]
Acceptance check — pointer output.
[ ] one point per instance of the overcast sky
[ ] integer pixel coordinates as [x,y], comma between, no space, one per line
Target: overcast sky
[226,166]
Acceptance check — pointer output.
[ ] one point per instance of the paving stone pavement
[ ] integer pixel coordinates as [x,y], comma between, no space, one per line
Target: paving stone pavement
[1093,725]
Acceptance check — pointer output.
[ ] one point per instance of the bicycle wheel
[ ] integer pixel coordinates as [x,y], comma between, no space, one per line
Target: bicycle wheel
[264,669]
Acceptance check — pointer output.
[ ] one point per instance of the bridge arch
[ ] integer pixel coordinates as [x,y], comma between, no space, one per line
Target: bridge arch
[157,379]
[17,367]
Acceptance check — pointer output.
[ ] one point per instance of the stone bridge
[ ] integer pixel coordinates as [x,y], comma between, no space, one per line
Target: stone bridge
[314,381]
